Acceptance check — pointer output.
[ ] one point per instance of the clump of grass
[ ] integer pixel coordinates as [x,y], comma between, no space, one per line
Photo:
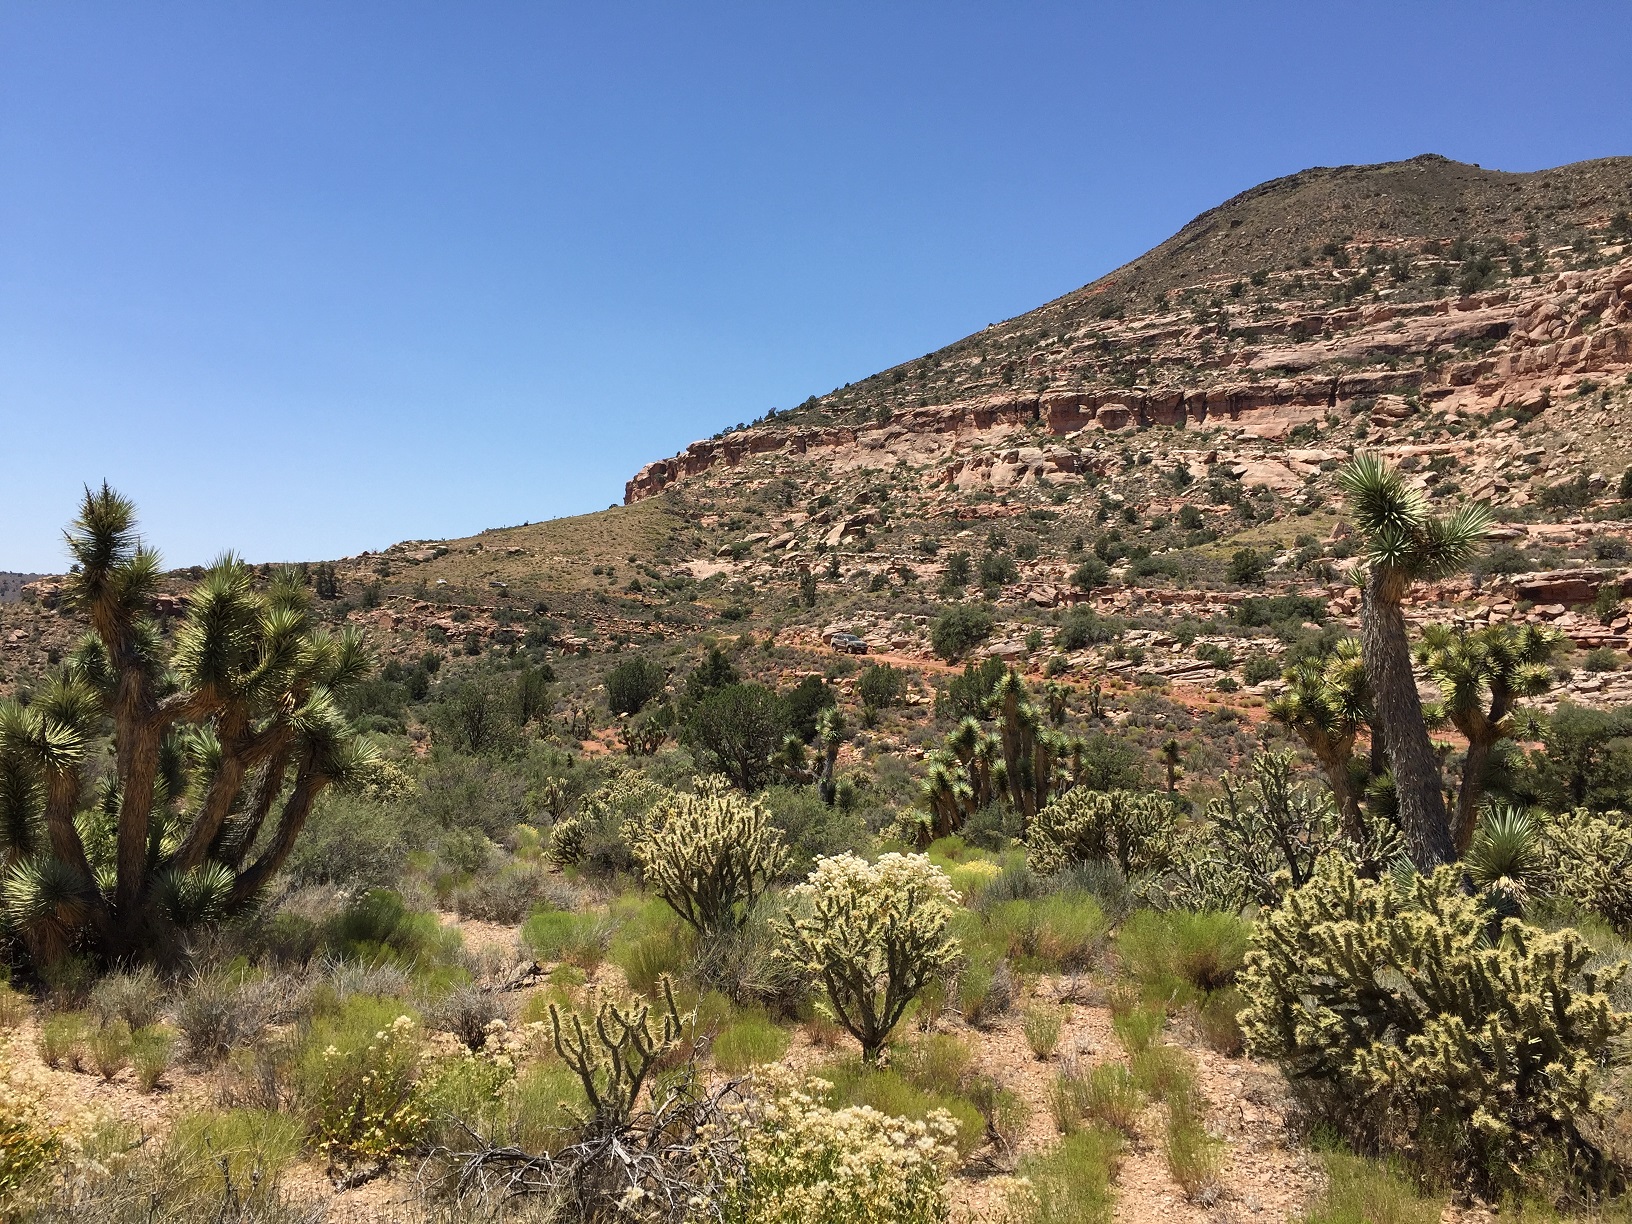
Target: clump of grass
[1072,1182]
[1110,1096]
[1218,1021]
[1138,1028]
[62,1039]
[936,1062]
[986,990]
[824,1031]
[555,935]
[151,1050]
[1041,1024]
[1071,930]
[136,997]
[109,1048]
[1194,1157]
[1362,1191]
[751,1039]
[241,1147]
[13,1006]
[1178,958]
[1003,1110]
[1164,1072]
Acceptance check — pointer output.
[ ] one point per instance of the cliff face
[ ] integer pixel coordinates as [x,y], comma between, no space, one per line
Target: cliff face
[1266,368]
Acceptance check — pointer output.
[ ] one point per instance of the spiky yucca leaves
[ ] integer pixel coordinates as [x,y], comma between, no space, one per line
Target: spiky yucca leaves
[710,856]
[237,719]
[1327,702]
[1482,675]
[874,935]
[1506,857]
[830,734]
[1388,1005]
[1405,544]
[1134,830]
[46,903]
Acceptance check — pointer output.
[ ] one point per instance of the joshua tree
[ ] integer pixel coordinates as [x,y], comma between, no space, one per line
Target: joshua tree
[1406,543]
[1327,701]
[234,719]
[1481,676]
[1170,758]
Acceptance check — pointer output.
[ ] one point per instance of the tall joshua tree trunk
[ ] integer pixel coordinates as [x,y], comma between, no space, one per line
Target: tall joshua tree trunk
[1418,782]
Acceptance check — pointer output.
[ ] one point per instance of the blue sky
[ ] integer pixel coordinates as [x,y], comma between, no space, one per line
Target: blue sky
[306,279]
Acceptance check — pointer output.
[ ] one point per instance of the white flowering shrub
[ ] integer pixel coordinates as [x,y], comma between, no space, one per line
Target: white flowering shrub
[873,935]
[710,855]
[804,1163]
[359,1076]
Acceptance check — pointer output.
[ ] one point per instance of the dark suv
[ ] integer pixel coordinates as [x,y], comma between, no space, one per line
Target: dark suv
[848,643]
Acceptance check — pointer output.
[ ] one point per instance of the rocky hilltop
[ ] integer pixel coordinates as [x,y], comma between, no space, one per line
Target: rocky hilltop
[1401,287]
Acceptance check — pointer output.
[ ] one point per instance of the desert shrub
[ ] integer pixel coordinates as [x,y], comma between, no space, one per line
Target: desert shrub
[811,828]
[357,1074]
[1071,930]
[151,1051]
[504,896]
[1603,659]
[986,988]
[1163,1072]
[802,704]
[563,935]
[218,1012]
[1182,957]
[1389,1006]
[709,856]
[805,1162]
[207,1152]
[959,629]
[378,926]
[1137,1027]
[1108,1095]
[881,686]
[1041,1024]
[1133,830]
[544,1106]
[466,1012]
[1070,1183]
[1085,627]
[108,1047]
[136,997]
[749,1040]
[62,1038]
[735,731]
[874,935]
[1362,1191]
[632,683]
[853,1083]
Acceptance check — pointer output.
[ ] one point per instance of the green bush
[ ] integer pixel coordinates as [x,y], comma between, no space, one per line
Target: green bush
[378,928]
[1362,1191]
[751,1039]
[239,1147]
[1390,1008]
[563,935]
[960,628]
[1180,958]
[735,731]
[881,686]
[1085,627]
[632,683]
[1070,1183]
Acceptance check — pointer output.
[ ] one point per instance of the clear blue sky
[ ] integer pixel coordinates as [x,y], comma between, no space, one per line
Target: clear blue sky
[310,278]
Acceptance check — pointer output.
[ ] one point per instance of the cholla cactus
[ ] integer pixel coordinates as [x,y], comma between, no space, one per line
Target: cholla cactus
[710,855]
[1388,1002]
[1134,830]
[615,1053]
[874,935]
[566,846]
[1589,860]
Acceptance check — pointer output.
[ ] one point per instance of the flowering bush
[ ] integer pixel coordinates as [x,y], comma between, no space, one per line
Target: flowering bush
[804,1163]
[874,935]
[360,1085]
[28,1142]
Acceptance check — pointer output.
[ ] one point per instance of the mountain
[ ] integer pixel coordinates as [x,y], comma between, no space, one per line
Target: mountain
[1159,445]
